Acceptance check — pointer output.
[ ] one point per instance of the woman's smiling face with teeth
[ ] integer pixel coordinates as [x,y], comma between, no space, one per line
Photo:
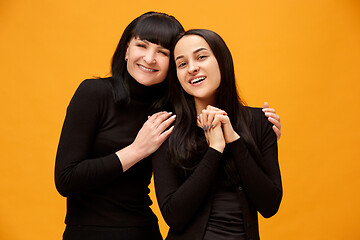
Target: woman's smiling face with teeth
[147,63]
[197,68]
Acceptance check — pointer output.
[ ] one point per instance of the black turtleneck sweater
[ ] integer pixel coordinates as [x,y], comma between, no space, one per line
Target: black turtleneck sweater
[87,170]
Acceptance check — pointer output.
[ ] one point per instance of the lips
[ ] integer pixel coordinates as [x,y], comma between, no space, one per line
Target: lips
[197,80]
[146,69]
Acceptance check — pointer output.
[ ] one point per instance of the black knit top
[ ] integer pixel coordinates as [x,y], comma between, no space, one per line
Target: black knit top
[190,205]
[87,170]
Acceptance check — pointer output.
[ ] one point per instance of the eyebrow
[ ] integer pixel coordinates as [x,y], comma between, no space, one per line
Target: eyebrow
[196,51]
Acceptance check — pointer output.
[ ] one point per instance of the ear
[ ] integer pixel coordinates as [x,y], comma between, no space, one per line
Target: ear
[127,53]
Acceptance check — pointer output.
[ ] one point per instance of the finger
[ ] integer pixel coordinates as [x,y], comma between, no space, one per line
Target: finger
[212,108]
[273,115]
[210,119]
[276,123]
[224,119]
[222,112]
[163,136]
[277,132]
[205,115]
[161,118]
[217,110]
[216,122]
[201,121]
[165,124]
[266,105]
[269,110]
[153,117]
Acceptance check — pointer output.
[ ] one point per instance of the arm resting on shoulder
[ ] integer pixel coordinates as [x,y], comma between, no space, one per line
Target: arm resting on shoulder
[262,184]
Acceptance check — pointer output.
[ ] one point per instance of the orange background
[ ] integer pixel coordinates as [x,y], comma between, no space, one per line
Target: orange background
[303,56]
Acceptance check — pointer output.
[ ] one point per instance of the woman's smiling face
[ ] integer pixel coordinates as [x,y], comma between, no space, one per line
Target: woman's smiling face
[147,63]
[197,68]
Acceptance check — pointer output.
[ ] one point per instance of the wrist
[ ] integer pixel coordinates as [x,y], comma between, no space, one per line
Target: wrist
[218,147]
[130,155]
[232,137]
[138,150]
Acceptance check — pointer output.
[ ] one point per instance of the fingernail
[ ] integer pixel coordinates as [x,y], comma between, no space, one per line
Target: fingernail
[203,127]
[211,126]
[267,114]
[173,116]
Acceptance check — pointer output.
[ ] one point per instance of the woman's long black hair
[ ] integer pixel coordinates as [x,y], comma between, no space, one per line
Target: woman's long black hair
[185,147]
[155,27]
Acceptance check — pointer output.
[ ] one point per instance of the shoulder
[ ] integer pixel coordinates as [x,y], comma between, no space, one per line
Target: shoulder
[259,124]
[256,115]
[95,86]
[92,92]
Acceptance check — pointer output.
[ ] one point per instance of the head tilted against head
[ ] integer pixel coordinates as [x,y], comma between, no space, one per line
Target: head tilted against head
[205,71]
[193,51]
[153,33]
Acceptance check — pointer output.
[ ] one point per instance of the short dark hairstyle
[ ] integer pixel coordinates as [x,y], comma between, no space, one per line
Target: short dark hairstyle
[155,27]
[184,146]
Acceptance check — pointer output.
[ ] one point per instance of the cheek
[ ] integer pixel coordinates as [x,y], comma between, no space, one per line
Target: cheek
[183,83]
[217,73]
[165,65]
[180,76]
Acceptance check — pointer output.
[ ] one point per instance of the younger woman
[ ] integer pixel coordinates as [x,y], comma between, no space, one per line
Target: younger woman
[220,164]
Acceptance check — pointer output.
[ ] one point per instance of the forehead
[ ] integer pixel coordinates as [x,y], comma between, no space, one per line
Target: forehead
[189,44]
[133,40]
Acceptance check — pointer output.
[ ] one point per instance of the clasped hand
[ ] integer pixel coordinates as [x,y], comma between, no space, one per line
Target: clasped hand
[217,127]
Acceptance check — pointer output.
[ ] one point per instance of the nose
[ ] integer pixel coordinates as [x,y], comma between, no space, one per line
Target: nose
[193,68]
[149,57]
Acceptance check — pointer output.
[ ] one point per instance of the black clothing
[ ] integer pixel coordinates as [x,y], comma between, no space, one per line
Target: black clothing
[100,233]
[225,220]
[186,203]
[87,170]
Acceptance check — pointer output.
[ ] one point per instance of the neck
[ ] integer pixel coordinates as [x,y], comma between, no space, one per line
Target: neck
[144,93]
[202,103]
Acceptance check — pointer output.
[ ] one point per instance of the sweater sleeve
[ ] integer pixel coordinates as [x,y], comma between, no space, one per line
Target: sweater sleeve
[179,201]
[75,170]
[262,185]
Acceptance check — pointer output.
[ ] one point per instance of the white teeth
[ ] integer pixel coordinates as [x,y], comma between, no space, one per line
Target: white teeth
[196,80]
[146,69]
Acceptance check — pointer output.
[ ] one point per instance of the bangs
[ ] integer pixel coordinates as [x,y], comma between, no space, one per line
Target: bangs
[157,30]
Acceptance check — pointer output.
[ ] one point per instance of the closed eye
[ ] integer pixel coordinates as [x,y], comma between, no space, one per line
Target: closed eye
[141,45]
[201,57]
[164,53]
[181,65]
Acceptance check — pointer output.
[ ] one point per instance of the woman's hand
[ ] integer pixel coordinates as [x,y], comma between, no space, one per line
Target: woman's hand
[221,117]
[153,133]
[150,137]
[213,132]
[270,113]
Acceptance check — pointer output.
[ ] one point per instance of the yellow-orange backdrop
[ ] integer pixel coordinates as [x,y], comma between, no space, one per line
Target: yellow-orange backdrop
[302,56]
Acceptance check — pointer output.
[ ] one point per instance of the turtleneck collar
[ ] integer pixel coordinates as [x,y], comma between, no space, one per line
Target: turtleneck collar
[142,93]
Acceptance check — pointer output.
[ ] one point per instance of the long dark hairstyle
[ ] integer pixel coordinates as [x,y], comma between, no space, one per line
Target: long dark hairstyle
[185,147]
[155,27]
